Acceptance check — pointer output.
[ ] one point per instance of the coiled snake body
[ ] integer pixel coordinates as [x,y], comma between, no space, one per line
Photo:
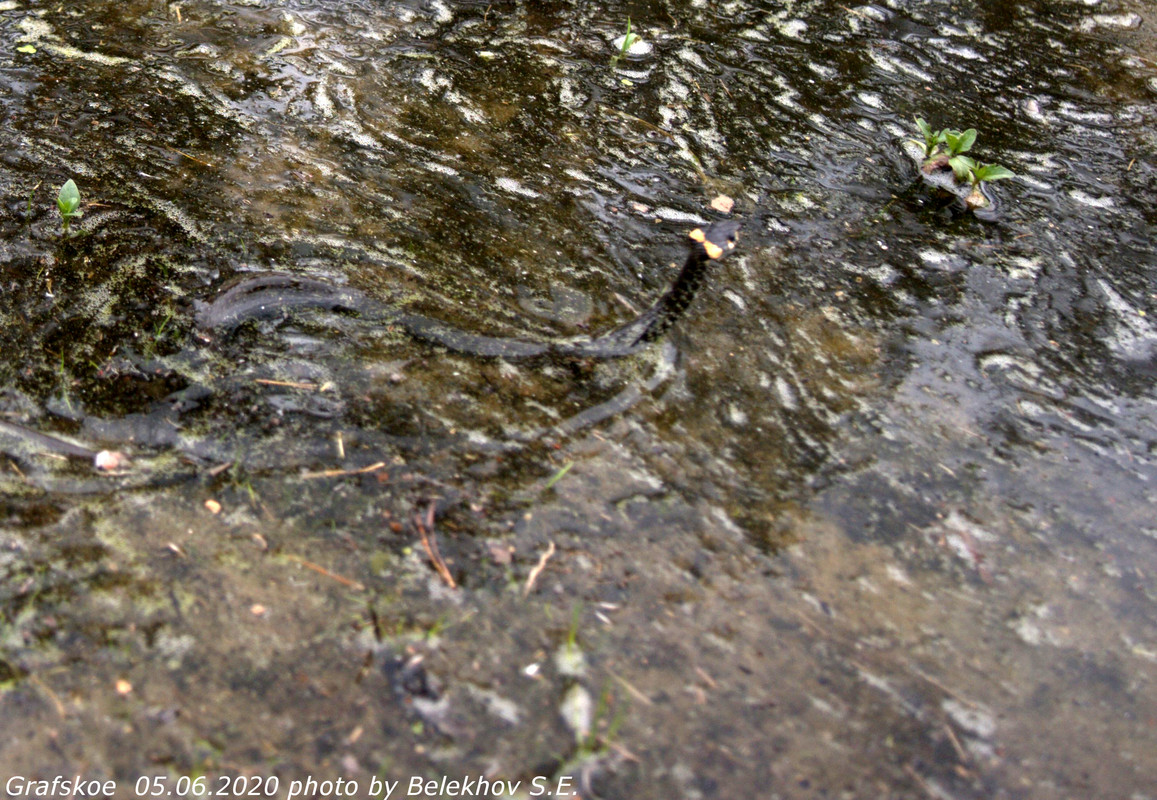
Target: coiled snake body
[271,294]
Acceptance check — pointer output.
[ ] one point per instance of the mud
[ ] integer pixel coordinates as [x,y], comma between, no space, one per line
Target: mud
[872,520]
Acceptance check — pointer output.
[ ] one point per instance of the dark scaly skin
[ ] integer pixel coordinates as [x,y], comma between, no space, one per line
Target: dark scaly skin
[718,240]
[271,294]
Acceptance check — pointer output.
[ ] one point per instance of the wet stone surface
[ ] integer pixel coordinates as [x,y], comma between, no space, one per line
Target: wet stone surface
[873,520]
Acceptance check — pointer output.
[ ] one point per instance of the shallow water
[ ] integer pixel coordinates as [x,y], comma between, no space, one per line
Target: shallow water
[872,521]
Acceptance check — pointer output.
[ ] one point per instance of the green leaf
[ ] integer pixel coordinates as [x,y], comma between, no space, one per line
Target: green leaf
[962,167]
[26,48]
[68,200]
[931,138]
[959,142]
[628,40]
[993,172]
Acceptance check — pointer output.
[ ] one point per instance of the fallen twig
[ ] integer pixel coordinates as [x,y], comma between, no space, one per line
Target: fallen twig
[217,470]
[538,568]
[336,473]
[624,752]
[289,384]
[908,768]
[343,580]
[635,693]
[426,531]
[180,153]
[51,694]
[963,756]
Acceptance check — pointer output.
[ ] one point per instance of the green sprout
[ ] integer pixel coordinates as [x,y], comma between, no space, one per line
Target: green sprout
[162,330]
[982,173]
[68,202]
[558,476]
[932,139]
[962,167]
[946,149]
[572,634]
[569,659]
[628,40]
[958,142]
[986,173]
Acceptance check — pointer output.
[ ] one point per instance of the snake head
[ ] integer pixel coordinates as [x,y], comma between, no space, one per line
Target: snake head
[717,239]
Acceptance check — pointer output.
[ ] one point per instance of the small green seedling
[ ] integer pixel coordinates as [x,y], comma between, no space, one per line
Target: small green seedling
[986,173]
[558,476]
[983,173]
[68,202]
[628,40]
[946,149]
[962,167]
[932,139]
[31,195]
[958,142]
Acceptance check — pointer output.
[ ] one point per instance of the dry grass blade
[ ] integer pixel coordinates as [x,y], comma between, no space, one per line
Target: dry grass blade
[343,580]
[287,384]
[426,531]
[180,152]
[337,473]
[538,568]
[42,686]
[635,692]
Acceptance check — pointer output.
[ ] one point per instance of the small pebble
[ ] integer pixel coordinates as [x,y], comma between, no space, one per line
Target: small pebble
[723,204]
[110,461]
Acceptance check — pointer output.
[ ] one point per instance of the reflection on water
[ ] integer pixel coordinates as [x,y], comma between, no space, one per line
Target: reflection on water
[455,179]
[919,402]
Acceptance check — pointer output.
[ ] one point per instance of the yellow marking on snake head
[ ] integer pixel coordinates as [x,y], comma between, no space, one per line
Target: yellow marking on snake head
[713,250]
[698,235]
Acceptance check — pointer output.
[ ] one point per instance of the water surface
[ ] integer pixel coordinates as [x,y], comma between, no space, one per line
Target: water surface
[871,521]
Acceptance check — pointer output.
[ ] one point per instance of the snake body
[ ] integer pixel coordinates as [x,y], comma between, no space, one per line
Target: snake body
[271,294]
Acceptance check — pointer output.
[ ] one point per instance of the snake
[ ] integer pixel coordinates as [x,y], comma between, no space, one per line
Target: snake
[270,294]
[274,293]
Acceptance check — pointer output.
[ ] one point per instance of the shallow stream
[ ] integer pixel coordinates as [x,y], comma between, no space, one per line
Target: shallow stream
[873,520]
